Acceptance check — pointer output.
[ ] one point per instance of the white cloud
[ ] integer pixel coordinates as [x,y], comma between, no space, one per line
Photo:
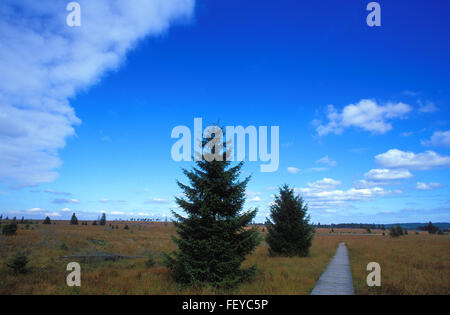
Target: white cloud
[367,115]
[439,139]
[425,186]
[64,200]
[35,210]
[407,134]
[428,108]
[324,195]
[363,183]
[65,210]
[387,174]
[54,192]
[382,177]
[45,63]
[410,93]
[327,160]
[117,213]
[253,196]
[324,184]
[158,200]
[395,158]
[53,214]
[293,170]
[255,199]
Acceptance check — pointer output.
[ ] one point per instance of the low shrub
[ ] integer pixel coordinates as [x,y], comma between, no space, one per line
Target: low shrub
[10,229]
[18,264]
[150,262]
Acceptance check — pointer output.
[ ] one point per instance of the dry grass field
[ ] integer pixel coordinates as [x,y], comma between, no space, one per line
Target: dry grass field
[414,264]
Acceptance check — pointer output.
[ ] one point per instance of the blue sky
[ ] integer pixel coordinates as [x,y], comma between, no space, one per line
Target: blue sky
[363,111]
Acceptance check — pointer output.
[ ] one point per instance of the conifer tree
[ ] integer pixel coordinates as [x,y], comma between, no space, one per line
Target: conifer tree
[74,220]
[289,231]
[47,221]
[399,230]
[103,219]
[214,237]
[396,231]
[431,228]
[10,229]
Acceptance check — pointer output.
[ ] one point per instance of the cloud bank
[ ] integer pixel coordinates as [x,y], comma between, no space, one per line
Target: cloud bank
[45,63]
[323,194]
[425,186]
[427,160]
[439,139]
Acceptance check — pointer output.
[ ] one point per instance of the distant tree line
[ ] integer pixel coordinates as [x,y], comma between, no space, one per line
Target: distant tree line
[365,226]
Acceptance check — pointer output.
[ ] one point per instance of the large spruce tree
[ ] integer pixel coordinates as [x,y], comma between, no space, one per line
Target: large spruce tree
[214,237]
[289,231]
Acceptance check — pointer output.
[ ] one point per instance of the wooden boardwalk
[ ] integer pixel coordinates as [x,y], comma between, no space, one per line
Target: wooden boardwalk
[337,278]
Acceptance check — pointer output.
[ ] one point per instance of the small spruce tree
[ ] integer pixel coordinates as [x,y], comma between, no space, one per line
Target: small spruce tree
[103,219]
[10,229]
[18,263]
[399,230]
[289,231]
[396,231]
[431,228]
[214,237]
[74,220]
[47,221]
[393,232]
